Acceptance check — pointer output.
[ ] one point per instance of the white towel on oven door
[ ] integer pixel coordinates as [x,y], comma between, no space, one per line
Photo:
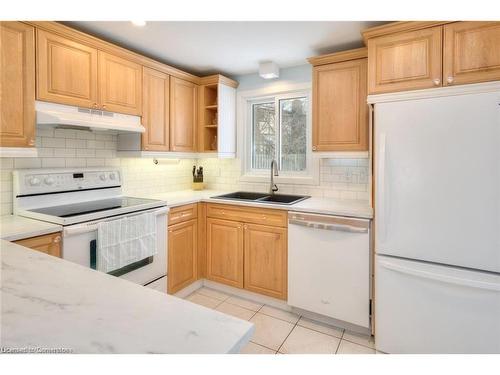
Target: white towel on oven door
[124,241]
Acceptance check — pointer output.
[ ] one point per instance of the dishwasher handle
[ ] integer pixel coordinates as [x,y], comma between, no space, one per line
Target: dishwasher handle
[333,223]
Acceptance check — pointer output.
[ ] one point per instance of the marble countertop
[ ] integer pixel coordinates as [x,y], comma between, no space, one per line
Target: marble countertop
[326,206]
[48,302]
[13,228]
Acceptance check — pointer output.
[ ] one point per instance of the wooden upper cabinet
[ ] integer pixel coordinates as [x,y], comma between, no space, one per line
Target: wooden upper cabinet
[225,252]
[340,119]
[182,255]
[17,85]
[405,61]
[156,113]
[183,108]
[266,260]
[471,52]
[49,244]
[120,84]
[66,71]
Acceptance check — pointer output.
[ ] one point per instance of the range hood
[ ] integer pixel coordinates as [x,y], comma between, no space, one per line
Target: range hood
[65,115]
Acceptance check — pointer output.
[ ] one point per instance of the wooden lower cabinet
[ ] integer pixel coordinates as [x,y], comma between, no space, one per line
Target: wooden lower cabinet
[49,244]
[182,255]
[245,255]
[225,252]
[265,260]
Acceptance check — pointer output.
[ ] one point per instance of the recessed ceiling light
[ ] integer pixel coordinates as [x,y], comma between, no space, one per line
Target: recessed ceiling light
[138,23]
[269,70]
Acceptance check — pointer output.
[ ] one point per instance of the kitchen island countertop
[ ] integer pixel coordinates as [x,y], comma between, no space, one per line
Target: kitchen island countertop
[50,303]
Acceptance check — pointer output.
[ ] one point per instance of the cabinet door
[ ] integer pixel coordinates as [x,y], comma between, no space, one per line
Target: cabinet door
[17,85]
[405,61]
[340,121]
[120,84]
[49,244]
[156,112]
[182,259]
[182,115]
[471,52]
[266,260]
[225,252]
[66,71]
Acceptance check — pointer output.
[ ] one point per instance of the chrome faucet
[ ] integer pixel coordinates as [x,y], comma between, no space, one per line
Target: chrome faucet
[274,172]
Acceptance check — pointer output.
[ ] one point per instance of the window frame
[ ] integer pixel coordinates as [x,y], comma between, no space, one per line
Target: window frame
[246,100]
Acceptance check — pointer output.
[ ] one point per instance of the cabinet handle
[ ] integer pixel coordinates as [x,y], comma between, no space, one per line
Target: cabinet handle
[57,239]
[31,142]
[450,79]
[103,106]
[264,217]
[95,105]
[437,82]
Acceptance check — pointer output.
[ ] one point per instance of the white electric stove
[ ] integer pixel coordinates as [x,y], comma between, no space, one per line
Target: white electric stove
[78,199]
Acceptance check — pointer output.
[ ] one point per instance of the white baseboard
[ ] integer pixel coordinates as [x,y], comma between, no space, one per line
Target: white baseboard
[259,298]
[183,293]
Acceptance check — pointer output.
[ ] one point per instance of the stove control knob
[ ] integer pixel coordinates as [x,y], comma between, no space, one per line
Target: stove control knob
[102,177]
[112,176]
[49,180]
[34,181]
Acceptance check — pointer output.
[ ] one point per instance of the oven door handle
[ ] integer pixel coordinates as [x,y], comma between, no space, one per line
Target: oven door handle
[92,225]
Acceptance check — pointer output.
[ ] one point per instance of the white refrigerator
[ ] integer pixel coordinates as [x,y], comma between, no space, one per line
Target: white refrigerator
[437,224]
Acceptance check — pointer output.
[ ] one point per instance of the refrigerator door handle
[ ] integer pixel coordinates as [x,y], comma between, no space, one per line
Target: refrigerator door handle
[381,203]
[440,277]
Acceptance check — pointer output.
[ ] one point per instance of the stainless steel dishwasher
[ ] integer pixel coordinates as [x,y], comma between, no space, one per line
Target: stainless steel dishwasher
[329,266]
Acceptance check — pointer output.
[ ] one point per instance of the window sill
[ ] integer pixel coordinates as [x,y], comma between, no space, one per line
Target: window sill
[283,179]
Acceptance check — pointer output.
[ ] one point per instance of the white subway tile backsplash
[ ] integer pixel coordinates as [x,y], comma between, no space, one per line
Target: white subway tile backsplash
[75,162]
[64,133]
[59,148]
[21,163]
[53,142]
[105,153]
[76,143]
[85,152]
[64,152]
[53,163]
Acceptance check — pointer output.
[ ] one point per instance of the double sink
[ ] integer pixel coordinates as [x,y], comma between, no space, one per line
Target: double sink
[263,197]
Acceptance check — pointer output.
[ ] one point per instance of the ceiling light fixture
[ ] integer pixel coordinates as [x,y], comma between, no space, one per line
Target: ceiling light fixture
[269,70]
[139,23]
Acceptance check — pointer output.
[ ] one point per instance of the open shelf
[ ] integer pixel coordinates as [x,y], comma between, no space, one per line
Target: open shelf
[208,124]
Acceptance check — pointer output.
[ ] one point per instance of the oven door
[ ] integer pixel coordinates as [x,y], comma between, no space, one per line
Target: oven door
[80,246]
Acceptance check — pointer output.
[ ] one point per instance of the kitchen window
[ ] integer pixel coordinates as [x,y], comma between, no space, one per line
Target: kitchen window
[278,127]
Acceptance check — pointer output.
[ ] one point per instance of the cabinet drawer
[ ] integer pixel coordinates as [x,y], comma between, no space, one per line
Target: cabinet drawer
[49,244]
[253,215]
[182,213]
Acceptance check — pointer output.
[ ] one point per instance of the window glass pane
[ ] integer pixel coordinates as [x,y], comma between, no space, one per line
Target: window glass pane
[293,119]
[263,135]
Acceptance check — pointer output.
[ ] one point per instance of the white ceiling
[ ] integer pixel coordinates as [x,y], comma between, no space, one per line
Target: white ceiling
[232,48]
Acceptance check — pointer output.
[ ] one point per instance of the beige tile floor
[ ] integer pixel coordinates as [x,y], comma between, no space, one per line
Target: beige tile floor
[282,332]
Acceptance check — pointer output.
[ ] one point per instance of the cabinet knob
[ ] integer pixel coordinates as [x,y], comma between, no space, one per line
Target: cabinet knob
[57,239]
[450,79]
[437,82]
[95,105]
[103,106]
[314,148]
[31,142]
